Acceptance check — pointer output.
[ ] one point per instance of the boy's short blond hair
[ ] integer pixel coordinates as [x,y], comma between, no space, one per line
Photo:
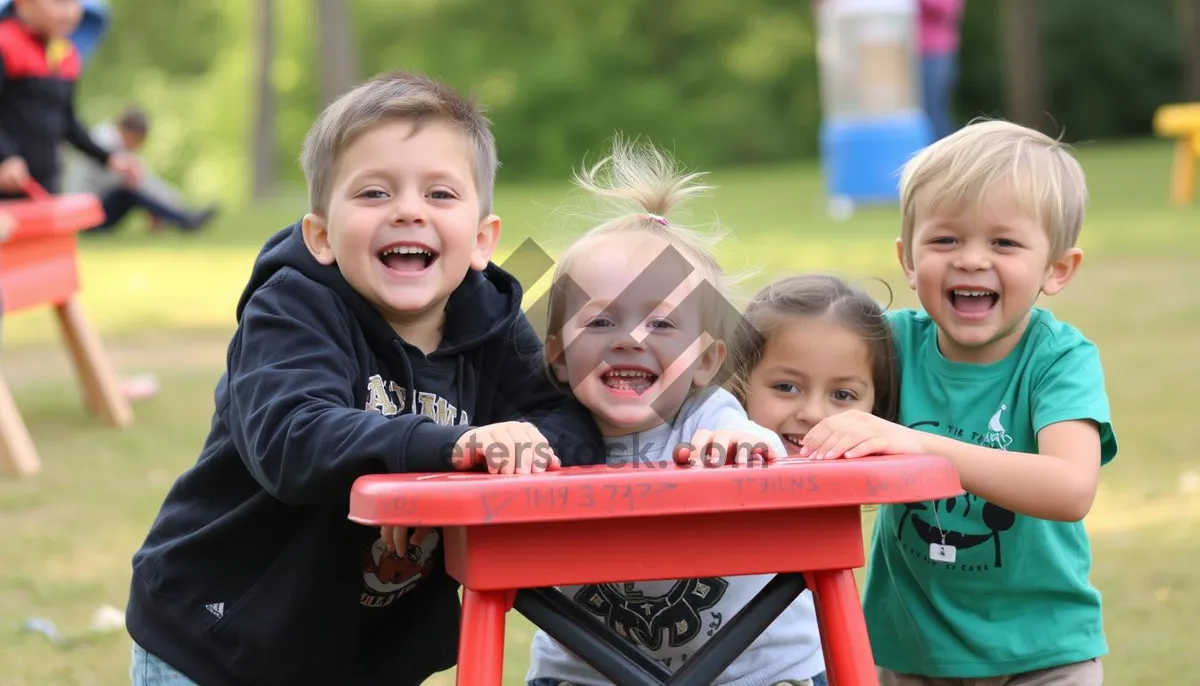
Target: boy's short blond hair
[1045,179]
[386,98]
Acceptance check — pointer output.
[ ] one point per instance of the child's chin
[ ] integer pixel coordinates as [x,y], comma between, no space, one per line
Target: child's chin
[409,303]
[632,421]
[967,340]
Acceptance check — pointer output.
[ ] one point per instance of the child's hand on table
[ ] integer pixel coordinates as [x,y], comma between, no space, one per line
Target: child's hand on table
[855,433]
[718,448]
[506,448]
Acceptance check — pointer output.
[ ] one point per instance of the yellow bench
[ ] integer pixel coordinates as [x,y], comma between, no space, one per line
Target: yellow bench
[1181,122]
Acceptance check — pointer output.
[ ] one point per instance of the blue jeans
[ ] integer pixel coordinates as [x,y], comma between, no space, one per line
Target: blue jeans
[939,74]
[148,670]
[818,680]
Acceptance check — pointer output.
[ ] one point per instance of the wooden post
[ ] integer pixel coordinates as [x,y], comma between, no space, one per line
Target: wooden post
[17,451]
[101,387]
[1183,172]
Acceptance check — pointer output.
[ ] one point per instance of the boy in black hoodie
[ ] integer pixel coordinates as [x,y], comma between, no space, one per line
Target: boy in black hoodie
[374,336]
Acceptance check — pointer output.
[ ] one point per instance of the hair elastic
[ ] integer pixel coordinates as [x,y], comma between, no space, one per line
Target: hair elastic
[655,218]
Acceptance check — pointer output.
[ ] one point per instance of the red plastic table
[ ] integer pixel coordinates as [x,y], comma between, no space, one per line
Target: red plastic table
[643,522]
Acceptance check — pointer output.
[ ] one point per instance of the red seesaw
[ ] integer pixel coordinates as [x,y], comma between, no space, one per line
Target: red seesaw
[39,266]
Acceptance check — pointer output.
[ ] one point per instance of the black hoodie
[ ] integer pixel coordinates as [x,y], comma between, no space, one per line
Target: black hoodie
[252,574]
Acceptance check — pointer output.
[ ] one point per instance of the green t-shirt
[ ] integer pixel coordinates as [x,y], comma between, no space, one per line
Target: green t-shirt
[1013,595]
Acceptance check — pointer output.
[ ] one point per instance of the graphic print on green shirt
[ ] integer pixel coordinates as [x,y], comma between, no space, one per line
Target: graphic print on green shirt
[931,522]
[962,587]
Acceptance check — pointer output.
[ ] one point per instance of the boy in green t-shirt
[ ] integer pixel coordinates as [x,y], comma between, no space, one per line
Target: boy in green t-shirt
[990,586]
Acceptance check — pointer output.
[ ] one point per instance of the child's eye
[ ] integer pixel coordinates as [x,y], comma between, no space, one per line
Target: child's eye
[844,396]
[660,323]
[1006,243]
[442,195]
[786,387]
[373,193]
[598,323]
[942,240]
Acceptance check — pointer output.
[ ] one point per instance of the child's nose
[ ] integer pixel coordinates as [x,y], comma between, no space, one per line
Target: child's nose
[811,411]
[408,209]
[626,341]
[973,258]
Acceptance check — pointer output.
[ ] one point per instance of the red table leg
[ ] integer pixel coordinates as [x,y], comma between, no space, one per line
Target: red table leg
[848,658]
[481,644]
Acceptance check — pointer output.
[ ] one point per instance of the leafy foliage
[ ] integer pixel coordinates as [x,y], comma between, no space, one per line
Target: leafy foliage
[720,83]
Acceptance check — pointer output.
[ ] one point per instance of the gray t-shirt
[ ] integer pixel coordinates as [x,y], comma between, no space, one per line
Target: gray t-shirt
[670,620]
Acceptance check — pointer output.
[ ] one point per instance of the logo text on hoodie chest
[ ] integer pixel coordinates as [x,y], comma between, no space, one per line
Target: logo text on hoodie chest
[390,398]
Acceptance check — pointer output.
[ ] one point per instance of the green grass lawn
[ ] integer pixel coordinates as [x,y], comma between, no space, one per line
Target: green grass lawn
[165,304]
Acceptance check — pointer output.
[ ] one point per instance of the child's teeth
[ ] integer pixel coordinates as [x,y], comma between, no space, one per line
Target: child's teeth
[629,379]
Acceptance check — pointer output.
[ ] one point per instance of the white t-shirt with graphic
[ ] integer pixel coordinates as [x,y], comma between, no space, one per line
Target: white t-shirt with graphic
[671,620]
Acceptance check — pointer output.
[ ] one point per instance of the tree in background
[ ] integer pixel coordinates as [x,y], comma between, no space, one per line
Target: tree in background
[1189,21]
[722,84]
[337,63]
[1023,65]
[263,136]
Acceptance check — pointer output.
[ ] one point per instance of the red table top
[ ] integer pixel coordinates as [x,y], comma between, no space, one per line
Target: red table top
[640,490]
[61,214]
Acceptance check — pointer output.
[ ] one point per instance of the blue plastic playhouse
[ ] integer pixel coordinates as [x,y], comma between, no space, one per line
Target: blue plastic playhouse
[872,119]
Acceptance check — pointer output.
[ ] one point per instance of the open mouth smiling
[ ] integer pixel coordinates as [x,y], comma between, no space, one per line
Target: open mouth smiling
[407,257]
[628,380]
[791,441]
[972,302]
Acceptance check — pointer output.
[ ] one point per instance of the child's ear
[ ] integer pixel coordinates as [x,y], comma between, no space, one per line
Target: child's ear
[908,271]
[709,364]
[485,242]
[316,236]
[1060,272]
[558,363]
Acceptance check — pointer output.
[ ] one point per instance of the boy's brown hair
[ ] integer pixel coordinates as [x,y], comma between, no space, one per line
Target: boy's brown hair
[390,97]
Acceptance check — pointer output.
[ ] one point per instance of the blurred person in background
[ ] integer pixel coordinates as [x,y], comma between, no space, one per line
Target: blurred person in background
[939,24]
[39,68]
[127,134]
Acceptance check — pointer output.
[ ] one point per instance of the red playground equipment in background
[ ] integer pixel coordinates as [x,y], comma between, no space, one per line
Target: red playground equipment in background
[510,539]
[39,267]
